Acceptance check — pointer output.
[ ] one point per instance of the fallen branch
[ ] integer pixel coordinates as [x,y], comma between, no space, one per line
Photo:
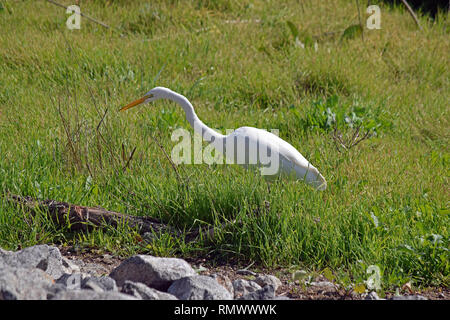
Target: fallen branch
[82,218]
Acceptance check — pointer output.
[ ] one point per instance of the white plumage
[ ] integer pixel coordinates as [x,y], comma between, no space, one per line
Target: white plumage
[246,146]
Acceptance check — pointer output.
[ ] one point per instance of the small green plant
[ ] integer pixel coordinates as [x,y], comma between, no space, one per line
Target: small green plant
[328,114]
[432,248]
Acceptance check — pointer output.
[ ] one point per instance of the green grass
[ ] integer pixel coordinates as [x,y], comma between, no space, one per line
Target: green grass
[387,199]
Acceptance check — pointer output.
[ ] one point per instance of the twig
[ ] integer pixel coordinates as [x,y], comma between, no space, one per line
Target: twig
[174,166]
[66,127]
[367,135]
[359,19]
[101,120]
[123,152]
[413,15]
[81,14]
[111,152]
[350,143]
[356,134]
[129,159]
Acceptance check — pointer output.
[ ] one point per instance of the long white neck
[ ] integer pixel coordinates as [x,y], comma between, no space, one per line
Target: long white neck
[206,132]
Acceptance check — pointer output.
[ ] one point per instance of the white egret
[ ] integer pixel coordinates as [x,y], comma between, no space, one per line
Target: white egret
[287,161]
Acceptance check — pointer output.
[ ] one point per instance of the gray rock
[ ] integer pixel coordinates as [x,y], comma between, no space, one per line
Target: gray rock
[267,279]
[4,252]
[77,281]
[85,294]
[199,288]
[55,289]
[412,297]
[245,272]
[323,286]
[266,293]
[72,281]
[224,281]
[158,273]
[281,298]
[242,287]
[99,284]
[43,257]
[107,258]
[69,266]
[199,268]
[141,291]
[24,284]
[94,269]
[92,285]
[372,296]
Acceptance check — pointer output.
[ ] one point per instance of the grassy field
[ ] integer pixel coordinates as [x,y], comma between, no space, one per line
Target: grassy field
[387,201]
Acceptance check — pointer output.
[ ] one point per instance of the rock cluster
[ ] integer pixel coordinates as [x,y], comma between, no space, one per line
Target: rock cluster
[42,273]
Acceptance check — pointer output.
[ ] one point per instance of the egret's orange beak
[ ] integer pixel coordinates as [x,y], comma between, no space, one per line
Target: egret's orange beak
[135,103]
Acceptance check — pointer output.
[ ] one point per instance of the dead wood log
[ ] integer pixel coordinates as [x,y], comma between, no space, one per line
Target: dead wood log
[79,218]
[83,218]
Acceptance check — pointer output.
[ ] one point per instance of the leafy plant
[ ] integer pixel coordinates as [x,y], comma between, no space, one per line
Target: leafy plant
[329,114]
[432,248]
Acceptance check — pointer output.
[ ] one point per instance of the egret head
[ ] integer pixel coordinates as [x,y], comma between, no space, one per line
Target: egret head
[154,94]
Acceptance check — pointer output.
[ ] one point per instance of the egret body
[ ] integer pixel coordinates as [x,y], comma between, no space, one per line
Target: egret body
[287,161]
